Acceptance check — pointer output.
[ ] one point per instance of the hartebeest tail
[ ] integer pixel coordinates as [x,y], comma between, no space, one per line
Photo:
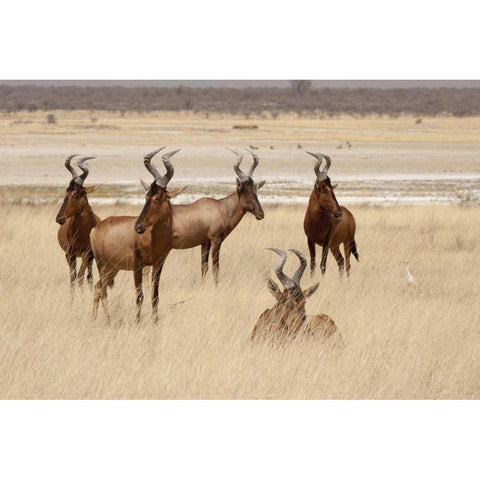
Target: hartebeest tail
[287,318]
[208,222]
[353,249]
[76,219]
[130,243]
[327,223]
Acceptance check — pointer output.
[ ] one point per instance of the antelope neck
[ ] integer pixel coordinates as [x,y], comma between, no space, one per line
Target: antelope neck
[232,207]
[87,213]
[319,211]
[164,225]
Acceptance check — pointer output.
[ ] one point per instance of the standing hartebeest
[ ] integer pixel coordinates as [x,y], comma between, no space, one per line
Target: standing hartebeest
[130,243]
[76,219]
[207,222]
[287,318]
[326,222]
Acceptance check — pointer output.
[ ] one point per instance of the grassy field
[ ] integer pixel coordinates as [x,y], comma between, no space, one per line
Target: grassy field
[401,342]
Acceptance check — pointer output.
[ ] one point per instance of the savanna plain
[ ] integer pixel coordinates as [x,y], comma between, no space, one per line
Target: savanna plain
[402,341]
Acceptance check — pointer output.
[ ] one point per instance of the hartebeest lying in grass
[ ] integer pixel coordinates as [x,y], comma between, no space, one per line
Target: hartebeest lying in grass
[76,219]
[130,243]
[327,223]
[287,318]
[207,222]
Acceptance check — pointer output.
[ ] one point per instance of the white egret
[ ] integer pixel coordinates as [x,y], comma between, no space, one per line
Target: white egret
[408,275]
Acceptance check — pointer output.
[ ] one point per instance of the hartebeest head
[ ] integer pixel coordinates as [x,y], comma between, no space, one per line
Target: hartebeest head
[157,196]
[246,187]
[323,189]
[75,201]
[292,298]
[287,318]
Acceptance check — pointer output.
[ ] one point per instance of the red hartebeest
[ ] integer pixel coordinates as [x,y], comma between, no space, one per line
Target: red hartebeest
[130,243]
[76,219]
[207,222]
[327,223]
[287,318]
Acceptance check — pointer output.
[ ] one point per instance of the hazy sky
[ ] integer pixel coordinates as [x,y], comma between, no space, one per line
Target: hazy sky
[257,83]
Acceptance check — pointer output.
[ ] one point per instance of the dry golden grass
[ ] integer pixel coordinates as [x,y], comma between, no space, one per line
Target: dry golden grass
[401,342]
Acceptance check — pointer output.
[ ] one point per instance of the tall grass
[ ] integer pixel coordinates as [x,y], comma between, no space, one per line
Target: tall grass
[401,341]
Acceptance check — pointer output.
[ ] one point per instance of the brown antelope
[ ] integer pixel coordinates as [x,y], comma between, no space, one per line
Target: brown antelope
[287,318]
[130,243]
[207,222]
[76,219]
[327,223]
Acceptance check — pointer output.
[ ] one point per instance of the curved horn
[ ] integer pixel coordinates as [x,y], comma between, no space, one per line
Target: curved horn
[163,181]
[287,282]
[84,169]
[301,269]
[69,167]
[147,162]
[328,162]
[236,166]
[319,157]
[255,162]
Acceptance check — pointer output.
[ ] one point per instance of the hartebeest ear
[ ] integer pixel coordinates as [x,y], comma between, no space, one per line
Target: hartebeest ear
[334,186]
[310,291]
[273,289]
[145,185]
[174,193]
[91,188]
[260,185]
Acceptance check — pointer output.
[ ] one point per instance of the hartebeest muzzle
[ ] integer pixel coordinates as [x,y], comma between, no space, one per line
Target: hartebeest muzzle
[259,214]
[60,219]
[139,228]
[338,212]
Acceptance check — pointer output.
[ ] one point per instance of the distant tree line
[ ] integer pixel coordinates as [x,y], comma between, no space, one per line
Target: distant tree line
[299,98]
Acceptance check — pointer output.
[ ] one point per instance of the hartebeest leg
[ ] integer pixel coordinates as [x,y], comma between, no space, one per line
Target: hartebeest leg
[323,264]
[348,251]
[338,257]
[105,302]
[138,277]
[216,244]
[205,255]
[97,294]
[96,298]
[156,272]
[100,293]
[81,270]
[89,269]
[311,247]
[72,263]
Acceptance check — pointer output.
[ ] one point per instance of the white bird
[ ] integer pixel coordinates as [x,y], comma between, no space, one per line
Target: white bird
[409,277]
